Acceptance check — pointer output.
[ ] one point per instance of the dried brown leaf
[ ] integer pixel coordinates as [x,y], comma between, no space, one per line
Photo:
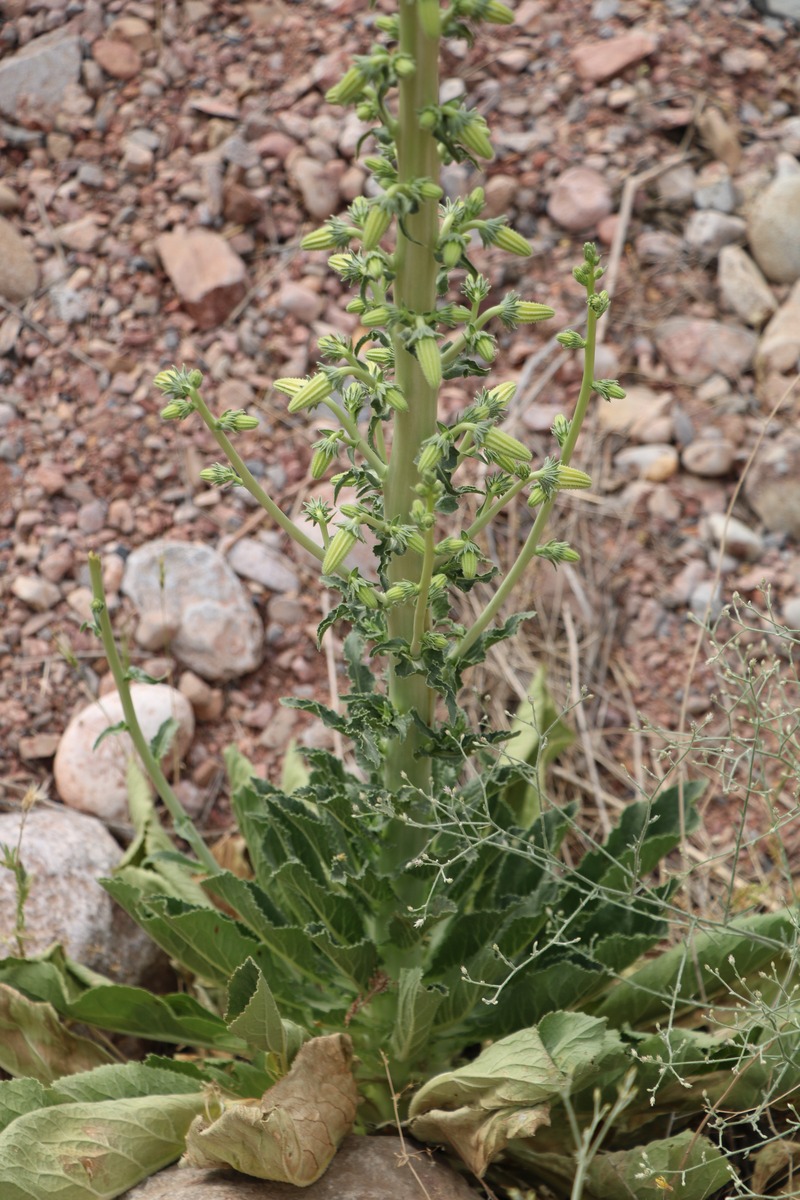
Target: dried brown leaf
[477,1136]
[291,1134]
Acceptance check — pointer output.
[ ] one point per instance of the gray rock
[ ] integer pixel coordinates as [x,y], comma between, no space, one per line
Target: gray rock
[675,188]
[219,633]
[715,189]
[92,778]
[779,348]
[708,457]
[655,462]
[635,413]
[365,1168]
[253,559]
[65,853]
[36,78]
[706,600]
[320,194]
[37,593]
[774,230]
[658,246]
[780,8]
[19,275]
[708,231]
[742,287]
[772,485]
[790,614]
[694,348]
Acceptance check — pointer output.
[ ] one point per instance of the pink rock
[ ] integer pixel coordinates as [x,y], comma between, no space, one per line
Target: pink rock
[320,194]
[118,59]
[597,61]
[694,348]
[207,275]
[19,274]
[580,198]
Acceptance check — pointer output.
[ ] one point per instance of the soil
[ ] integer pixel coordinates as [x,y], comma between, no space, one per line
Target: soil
[87,464]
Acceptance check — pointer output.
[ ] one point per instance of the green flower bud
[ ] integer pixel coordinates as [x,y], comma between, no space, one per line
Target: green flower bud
[485,347]
[416,542]
[318,388]
[367,595]
[428,118]
[319,463]
[571,340]
[556,552]
[572,479]
[500,443]
[528,312]
[512,242]
[537,496]
[434,641]
[348,88]
[429,190]
[340,263]
[356,305]
[560,428]
[237,420]
[319,239]
[289,386]
[338,549]
[374,266]
[503,393]
[474,134]
[364,112]
[177,384]
[176,411]
[395,399]
[431,454]
[400,593]
[609,389]
[487,10]
[195,378]
[449,546]
[375,316]
[404,66]
[469,563]
[220,475]
[377,222]
[430,360]
[452,248]
[599,303]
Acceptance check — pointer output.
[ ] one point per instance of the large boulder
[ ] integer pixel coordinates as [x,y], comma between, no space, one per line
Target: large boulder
[65,853]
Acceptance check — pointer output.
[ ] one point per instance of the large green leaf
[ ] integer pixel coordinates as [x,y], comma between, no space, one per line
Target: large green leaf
[35,1043]
[93,1150]
[567,1050]
[701,968]
[176,1018]
[20,1096]
[124,1081]
[687,1165]
[253,1016]
[540,735]
[417,1006]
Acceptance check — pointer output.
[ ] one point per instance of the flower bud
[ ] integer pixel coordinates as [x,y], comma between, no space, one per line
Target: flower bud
[348,88]
[395,399]
[474,135]
[449,545]
[512,242]
[498,442]
[377,222]
[319,463]
[404,66]
[469,563]
[430,360]
[367,595]
[338,549]
[428,118]
[430,456]
[195,378]
[452,248]
[503,393]
[572,479]
[356,305]
[238,421]
[434,641]
[528,312]
[375,316]
[429,190]
[319,239]
[340,263]
[416,542]
[318,388]
[609,389]
[485,347]
[289,386]
[571,340]
[176,411]
[560,428]
[537,496]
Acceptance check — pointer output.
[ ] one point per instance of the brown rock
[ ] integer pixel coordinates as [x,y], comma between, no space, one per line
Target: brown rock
[118,59]
[83,235]
[597,61]
[19,275]
[779,348]
[38,745]
[209,278]
[241,206]
[135,31]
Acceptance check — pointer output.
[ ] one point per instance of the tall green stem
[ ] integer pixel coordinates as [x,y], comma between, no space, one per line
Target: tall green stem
[414,290]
